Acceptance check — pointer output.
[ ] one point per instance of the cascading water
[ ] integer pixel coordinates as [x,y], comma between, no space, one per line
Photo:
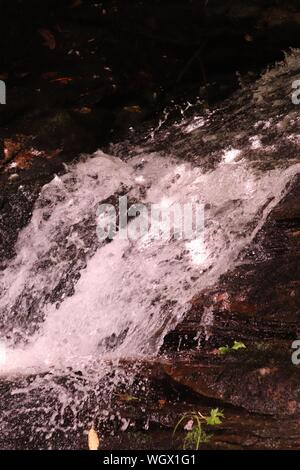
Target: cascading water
[72,303]
[131,292]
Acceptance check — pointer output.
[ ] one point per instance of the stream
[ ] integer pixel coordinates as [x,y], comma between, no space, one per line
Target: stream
[73,308]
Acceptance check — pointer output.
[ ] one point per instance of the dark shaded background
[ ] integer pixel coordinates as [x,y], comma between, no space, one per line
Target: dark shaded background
[80,74]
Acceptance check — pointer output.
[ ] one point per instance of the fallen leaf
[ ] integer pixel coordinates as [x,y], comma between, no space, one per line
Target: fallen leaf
[83,110]
[49,75]
[132,109]
[11,148]
[62,80]
[93,440]
[24,160]
[162,403]
[49,39]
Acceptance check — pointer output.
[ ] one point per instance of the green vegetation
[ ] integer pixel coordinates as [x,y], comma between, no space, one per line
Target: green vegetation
[192,423]
[235,347]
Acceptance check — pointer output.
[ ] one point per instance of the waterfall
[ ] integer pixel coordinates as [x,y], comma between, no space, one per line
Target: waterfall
[72,306]
[129,293]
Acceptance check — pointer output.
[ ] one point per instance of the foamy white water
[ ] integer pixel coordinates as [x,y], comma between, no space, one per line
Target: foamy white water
[130,293]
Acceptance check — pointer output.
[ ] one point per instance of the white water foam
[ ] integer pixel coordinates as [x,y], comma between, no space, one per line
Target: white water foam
[131,293]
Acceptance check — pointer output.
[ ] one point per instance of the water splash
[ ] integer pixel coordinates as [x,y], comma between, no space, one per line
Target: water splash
[129,293]
[71,308]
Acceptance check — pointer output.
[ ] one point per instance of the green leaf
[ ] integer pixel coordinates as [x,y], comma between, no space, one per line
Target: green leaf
[238,345]
[224,349]
[215,417]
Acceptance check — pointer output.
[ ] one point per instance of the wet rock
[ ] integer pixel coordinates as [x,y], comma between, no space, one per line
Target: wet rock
[257,303]
[268,390]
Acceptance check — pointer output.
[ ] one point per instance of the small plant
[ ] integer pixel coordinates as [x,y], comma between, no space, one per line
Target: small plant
[235,347]
[192,422]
